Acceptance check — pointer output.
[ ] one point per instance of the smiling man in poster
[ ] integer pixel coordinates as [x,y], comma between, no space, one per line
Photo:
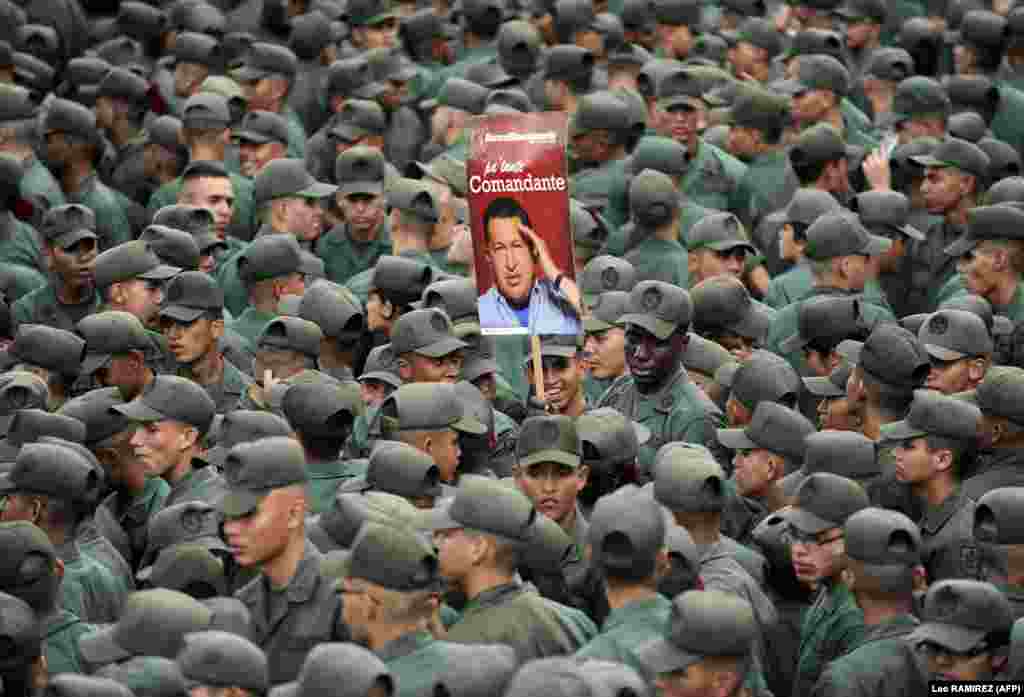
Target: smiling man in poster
[530,291]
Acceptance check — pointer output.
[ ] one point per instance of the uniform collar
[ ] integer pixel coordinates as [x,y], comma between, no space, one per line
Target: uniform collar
[405,645]
[493,596]
[937,516]
[637,612]
[664,399]
[303,583]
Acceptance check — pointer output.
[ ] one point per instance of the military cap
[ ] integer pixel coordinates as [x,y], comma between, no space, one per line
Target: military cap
[415,197]
[28,563]
[352,77]
[175,613]
[863,10]
[825,500]
[882,539]
[339,670]
[886,213]
[653,198]
[702,623]
[206,110]
[950,335]
[270,256]
[968,126]
[242,426]
[78,685]
[561,345]
[424,26]
[264,60]
[519,47]
[984,29]
[141,21]
[400,280]
[917,97]
[959,154]
[476,670]
[765,377]
[460,94]
[895,356]
[997,517]
[443,169]
[30,425]
[606,311]
[360,170]
[65,116]
[548,439]
[16,103]
[720,232]
[846,453]
[1003,159]
[393,556]
[123,84]
[819,72]
[381,365]
[322,409]
[253,470]
[194,47]
[38,75]
[815,42]
[825,318]
[660,154]
[291,333]
[571,16]
[807,205]
[192,522]
[609,439]
[190,295]
[129,261]
[890,64]
[165,131]
[486,505]
[935,414]
[759,32]
[56,350]
[287,177]
[20,389]
[659,308]
[973,93]
[310,33]
[959,613]
[997,222]
[759,110]
[146,676]
[999,393]
[627,531]
[552,677]
[388,64]
[334,309]
[194,220]
[399,469]
[262,127]
[773,427]
[93,410]
[172,398]
[598,111]
[216,658]
[568,62]
[996,325]
[190,568]
[831,385]
[816,145]
[337,527]
[457,297]
[709,49]
[677,12]
[175,247]
[687,478]
[358,118]
[606,273]
[842,234]
[426,332]
[723,302]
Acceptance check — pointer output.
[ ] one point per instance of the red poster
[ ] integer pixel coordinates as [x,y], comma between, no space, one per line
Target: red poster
[519,215]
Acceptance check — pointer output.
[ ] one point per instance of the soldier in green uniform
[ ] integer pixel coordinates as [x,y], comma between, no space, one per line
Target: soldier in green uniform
[604,351]
[119,353]
[883,550]
[833,625]
[287,200]
[221,660]
[887,213]
[930,443]
[820,159]
[658,393]
[286,350]
[806,206]
[192,319]
[839,248]
[823,323]
[499,521]
[717,245]
[598,129]
[960,351]
[426,348]
[459,99]
[38,184]
[395,284]
[482,21]
[764,377]
[340,318]
[40,587]
[562,372]
[262,136]
[1000,542]
[174,415]
[706,647]
[266,75]
[399,470]
[123,516]
[724,312]
[50,485]
[270,268]
[121,101]
[22,248]
[988,258]
[568,74]
[997,397]
[130,278]
[415,212]
[73,149]
[71,247]
[355,244]
[655,250]
[819,91]
[322,415]
[266,495]
[627,535]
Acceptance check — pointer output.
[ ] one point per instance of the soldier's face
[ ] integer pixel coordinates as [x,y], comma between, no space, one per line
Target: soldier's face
[858,34]
[126,471]
[743,142]
[511,259]
[965,60]
[552,487]
[949,377]
[817,557]
[699,680]
[979,269]
[160,447]
[563,379]
[187,77]
[750,59]
[215,194]
[455,553]
[835,413]
[76,265]
[254,156]
[606,353]
[443,446]
[711,262]
[681,123]
[382,35]
[811,104]
[592,146]
[419,368]
[191,341]
[374,392]
[943,188]
[652,360]
[304,218]
[104,112]
[944,664]
[754,470]
[139,297]
[282,363]
[359,605]
[920,128]
[364,213]
[915,461]
[264,534]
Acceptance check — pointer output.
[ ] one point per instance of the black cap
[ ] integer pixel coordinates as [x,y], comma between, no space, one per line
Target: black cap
[627,531]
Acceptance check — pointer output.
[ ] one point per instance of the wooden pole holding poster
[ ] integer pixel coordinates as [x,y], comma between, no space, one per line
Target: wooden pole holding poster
[538,370]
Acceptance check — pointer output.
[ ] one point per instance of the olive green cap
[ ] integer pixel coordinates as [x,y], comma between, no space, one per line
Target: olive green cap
[338,670]
[1001,393]
[93,409]
[653,198]
[53,470]
[688,478]
[999,222]
[829,318]
[381,364]
[760,110]
[773,427]
[719,231]
[842,234]
[322,409]
[846,453]
[426,332]
[660,154]
[959,613]
[886,213]
[78,685]
[997,517]
[334,309]
[216,658]
[189,568]
[659,308]
[64,226]
[428,406]
[950,335]
[394,556]
[108,334]
[293,334]
[606,311]
[415,197]
[548,439]
[599,111]
[129,261]
[190,522]
[626,533]
[723,302]
[253,470]
[56,350]
[824,501]
[610,440]
[766,376]
[935,414]
[882,539]
[487,506]
[957,153]
[399,469]
[917,97]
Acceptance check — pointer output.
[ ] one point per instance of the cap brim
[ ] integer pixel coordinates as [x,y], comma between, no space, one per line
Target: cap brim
[240,502]
[927,161]
[288,689]
[953,637]
[877,246]
[808,523]
[382,376]
[317,190]
[823,387]
[793,343]
[726,245]
[99,648]
[850,350]
[477,368]
[181,313]
[72,238]
[662,656]
[658,327]
[160,273]
[755,323]
[248,73]
[6,483]
[94,361]
[252,137]
[348,132]
[550,455]
[370,91]
[790,88]
[943,353]
[441,348]
[900,430]
[369,188]
[961,246]
[137,410]
[593,324]
[734,438]
[911,232]
[469,424]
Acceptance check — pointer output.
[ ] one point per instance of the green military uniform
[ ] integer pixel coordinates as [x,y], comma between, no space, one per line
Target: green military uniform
[997,521]
[250,324]
[89,588]
[243,216]
[61,631]
[22,245]
[324,479]
[851,673]
[38,183]
[798,284]
[654,202]
[42,306]
[415,661]
[344,257]
[296,133]
[660,260]
[857,127]
[110,207]
[124,522]
[712,175]
[768,184]
[593,182]
[360,283]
